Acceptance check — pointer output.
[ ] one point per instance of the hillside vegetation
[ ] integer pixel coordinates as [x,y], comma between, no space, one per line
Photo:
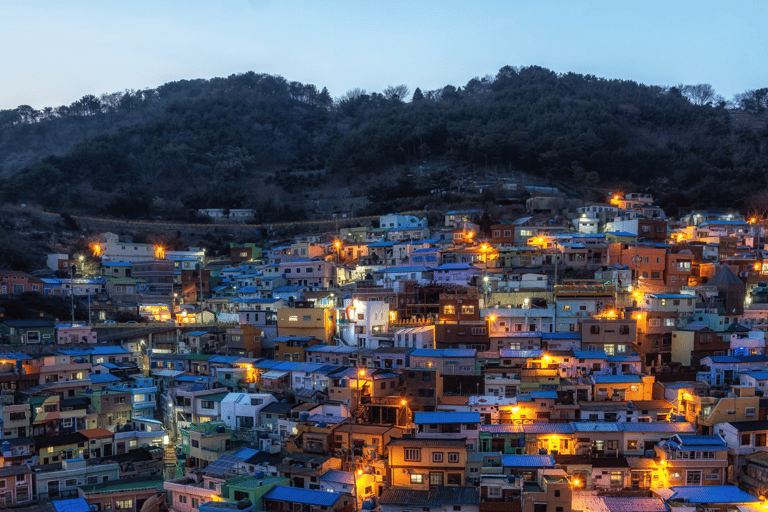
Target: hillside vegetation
[245,140]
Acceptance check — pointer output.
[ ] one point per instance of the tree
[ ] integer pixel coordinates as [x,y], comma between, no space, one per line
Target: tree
[396,93]
[753,100]
[699,94]
[417,95]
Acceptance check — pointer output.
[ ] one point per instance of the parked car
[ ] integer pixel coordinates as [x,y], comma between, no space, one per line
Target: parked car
[131,322]
[108,322]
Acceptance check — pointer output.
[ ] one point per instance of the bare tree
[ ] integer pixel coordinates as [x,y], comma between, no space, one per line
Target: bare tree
[396,92]
[699,94]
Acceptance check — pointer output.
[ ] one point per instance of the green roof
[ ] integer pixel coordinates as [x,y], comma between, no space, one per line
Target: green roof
[125,280]
[251,482]
[218,397]
[125,484]
[198,357]
[208,427]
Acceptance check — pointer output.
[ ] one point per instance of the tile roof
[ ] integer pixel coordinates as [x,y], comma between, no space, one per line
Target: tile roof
[433,498]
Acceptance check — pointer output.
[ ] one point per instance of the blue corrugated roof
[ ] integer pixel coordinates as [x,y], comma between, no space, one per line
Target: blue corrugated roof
[333,475]
[617,379]
[590,354]
[71,505]
[561,336]
[103,378]
[457,266]
[444,352]
[544,394]
[98,351]
[422,418]
[711,494]
[304,496]
[528,461]
[528,354]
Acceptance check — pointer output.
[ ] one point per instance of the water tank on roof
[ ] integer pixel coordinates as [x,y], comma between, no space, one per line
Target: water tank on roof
[244,504]
[259,475]
[6,446]
[303,417]
[542,451]
[221,429]
[322,424]
[630,405]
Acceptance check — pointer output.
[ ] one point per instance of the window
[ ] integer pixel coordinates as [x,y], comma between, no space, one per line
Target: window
[760,440]
[72,482]
[746,439]
[437,457]
[631,444]
[479,331]
[453,457]
[124,504]
[206,404]
[412,454]
[435,479]
[494,492]
[654,322]
[617,479]
[195,502]
[749,411]
[693,478]
[566,307]
[612,444]
[195,443]
[417,479]
[293,318]
[454,479]
[669,322]
[467,310]
[449,309]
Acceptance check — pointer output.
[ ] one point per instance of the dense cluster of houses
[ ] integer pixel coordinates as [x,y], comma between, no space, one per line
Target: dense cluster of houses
[613,361]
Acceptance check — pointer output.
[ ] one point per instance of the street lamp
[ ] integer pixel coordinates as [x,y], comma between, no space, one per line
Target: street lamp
[485,248]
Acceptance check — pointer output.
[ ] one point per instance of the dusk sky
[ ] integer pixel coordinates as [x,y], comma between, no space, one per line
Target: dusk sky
[55,52]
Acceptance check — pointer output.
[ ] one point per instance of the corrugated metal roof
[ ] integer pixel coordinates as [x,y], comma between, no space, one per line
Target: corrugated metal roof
[635,504]
[523,354]
[421,418]
[332,475]
[617,379]
[304,496]
[548,428]
[528,461]
[711,494]
[444,352]
[544,394]
[681,427]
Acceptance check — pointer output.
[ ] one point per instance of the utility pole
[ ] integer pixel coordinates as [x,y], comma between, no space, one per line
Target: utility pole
[72,291]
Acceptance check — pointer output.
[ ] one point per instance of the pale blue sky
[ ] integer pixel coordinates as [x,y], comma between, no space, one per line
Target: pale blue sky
[54,52]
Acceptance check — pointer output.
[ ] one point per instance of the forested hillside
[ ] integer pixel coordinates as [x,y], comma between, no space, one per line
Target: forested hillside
[237,141]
